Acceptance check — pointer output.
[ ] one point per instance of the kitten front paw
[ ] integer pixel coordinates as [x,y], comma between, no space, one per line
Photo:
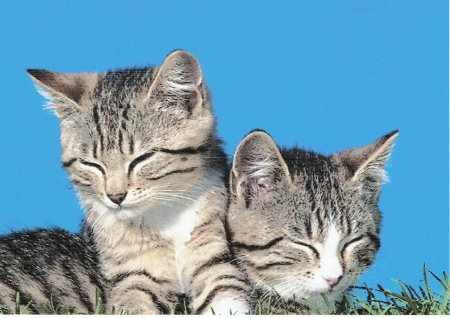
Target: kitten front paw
[229,306]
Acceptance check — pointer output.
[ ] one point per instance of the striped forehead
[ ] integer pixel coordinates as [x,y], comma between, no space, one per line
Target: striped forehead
[113,114]
[111,129]
[319,195]
[323,204]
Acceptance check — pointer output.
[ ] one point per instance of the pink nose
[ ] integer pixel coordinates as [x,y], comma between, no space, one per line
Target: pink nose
[332,281]
[117,198]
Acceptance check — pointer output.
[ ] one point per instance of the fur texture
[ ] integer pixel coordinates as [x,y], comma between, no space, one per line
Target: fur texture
[48,268]
[303,223]
[141,150]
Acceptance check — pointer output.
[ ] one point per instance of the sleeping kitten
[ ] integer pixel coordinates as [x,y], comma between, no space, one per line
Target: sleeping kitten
[303,223]
[140,148]
[48,265]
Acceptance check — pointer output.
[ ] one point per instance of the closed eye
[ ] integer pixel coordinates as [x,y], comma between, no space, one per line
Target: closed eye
[92,164]
[356,239]
[140,159]
[312,248]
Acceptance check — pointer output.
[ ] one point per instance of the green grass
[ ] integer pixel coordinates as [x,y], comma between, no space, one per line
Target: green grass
[378,301]
[408,301]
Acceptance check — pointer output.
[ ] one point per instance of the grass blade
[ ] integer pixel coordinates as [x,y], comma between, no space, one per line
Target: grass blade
[17,309]
[425,280]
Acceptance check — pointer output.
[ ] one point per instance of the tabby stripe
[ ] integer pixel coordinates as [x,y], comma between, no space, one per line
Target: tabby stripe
[349,225]
[374,239]
[269,265]
[122,276]
[68,163]
[131,145]
[160,306]
[76,284]
[125,113]
[183,151]
[212,293]
[172,172]
[312,248]
[230,277]
[201,229]
[79,183]
[308,227]
[120,141]
[222,258]
[25,300]
[291,258]
[138,160]
[97,122]
[266,266]
[95,150]
[319,218]
[257,247]
[11,283]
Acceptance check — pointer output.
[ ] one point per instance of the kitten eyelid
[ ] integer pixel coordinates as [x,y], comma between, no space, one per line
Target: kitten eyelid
[356,239]
[140,159]
[94,165]
[312,248]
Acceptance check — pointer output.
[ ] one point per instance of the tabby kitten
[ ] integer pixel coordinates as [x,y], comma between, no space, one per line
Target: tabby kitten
[303,223]
[140,148]
[51,269]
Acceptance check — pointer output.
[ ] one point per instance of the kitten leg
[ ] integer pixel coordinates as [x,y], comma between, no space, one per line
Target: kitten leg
[216,284]
[137,292]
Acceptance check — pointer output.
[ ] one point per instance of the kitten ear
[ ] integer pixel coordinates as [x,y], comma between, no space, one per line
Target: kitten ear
[366,164]
[62,89]
[180,79]
[257,167]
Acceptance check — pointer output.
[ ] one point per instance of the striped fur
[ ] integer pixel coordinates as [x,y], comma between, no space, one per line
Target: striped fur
[48,265]
[303,223]
[140,147]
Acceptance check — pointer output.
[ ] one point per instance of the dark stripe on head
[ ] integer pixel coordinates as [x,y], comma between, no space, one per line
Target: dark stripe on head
[183,151]
[68,163]
[307,225]
[273,264]
[97,124]
[95,150]
[131,145]
[139,159]
[120,141]
[251,247]
[318,218]
[348,224]
[375,239]
[172,172]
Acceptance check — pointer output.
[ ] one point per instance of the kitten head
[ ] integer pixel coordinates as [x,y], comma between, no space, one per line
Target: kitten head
[303,223]
[134,138]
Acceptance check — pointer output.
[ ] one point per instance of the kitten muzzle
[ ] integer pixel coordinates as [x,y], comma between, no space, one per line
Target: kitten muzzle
[117,198]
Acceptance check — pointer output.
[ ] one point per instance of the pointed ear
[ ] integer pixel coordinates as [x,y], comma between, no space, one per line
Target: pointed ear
[366,165]
[257,168]
[180,79]
[63,90]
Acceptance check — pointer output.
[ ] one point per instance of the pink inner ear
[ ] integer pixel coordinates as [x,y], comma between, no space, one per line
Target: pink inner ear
[264,185]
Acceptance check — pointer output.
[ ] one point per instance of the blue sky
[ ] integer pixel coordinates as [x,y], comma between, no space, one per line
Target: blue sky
[325,75]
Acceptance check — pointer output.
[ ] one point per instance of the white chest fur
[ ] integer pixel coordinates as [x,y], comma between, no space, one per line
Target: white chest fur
[130,239]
